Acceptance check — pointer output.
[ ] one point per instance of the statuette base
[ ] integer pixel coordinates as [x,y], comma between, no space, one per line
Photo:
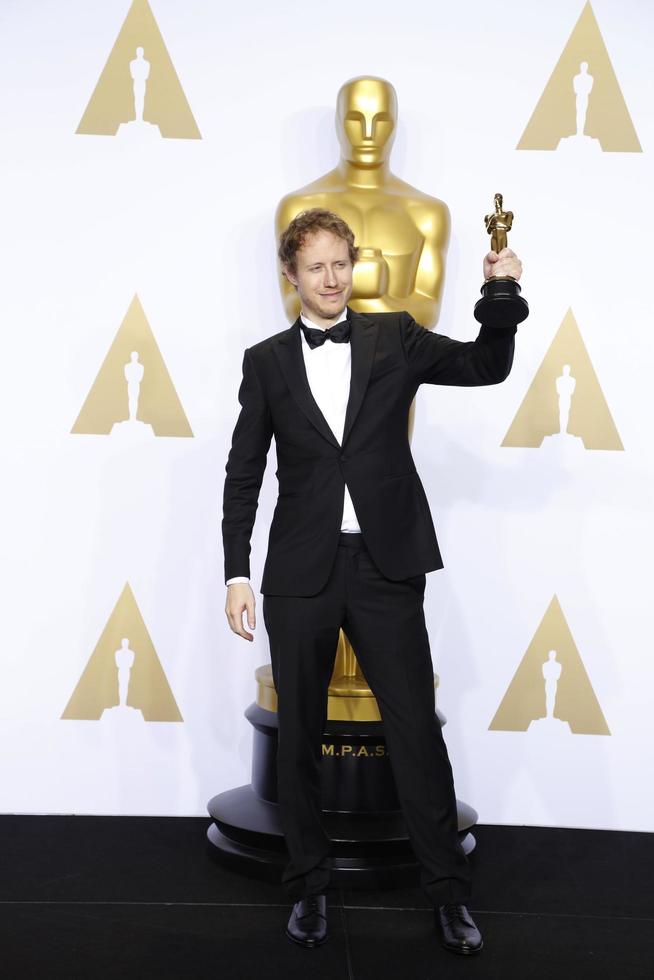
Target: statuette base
[501,304]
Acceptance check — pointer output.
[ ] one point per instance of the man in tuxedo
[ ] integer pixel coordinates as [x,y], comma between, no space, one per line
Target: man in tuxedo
[350,542]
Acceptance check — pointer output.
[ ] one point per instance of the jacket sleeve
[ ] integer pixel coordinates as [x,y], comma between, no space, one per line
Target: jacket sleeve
[439,360]
[245,467]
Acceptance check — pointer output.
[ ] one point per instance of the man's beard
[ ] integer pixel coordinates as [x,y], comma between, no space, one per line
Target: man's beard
[329,313]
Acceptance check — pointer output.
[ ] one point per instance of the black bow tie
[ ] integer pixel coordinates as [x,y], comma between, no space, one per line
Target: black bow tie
[340,334]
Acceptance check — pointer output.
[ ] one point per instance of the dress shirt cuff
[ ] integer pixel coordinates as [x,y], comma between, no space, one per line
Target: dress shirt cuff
[238,578]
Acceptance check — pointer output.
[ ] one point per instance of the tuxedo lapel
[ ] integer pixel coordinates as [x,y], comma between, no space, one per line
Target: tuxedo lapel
[289,354]
[363,341]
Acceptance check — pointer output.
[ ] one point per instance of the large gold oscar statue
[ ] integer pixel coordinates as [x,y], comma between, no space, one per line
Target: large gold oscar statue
[403,236]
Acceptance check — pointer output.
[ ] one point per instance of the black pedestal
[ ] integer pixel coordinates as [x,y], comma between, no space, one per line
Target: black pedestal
[501,304]
[361,813]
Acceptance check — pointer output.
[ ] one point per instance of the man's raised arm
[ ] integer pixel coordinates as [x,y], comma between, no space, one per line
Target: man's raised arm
[436,359]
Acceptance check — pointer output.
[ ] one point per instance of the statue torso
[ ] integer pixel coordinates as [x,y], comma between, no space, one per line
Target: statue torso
[396,219]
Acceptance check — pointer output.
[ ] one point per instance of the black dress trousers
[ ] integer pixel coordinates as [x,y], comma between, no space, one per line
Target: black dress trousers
[384,620]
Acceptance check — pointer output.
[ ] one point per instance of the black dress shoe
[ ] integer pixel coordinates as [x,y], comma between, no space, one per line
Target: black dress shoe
[458,932]
[308,922]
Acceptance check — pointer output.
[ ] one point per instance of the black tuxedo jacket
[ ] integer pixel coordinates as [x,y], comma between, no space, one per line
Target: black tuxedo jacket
[392,356]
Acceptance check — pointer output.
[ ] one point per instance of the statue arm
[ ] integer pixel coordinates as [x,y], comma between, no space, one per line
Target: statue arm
[286,211]
[430,274]
[422,306]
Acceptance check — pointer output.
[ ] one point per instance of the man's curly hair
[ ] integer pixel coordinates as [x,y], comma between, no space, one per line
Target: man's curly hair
[308,223]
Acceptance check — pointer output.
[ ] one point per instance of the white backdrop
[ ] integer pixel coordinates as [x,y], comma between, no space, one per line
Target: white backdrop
[90,221]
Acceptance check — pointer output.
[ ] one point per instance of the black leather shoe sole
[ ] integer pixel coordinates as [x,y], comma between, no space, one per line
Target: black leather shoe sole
[307,943]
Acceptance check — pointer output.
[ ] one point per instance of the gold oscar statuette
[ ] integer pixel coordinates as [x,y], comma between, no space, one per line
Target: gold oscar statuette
[501,303]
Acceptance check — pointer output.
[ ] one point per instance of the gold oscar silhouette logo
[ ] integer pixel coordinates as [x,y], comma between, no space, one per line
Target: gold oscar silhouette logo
[138,93]
[564,407]
[550,692]
[582,108]
[133,394]
[123,681]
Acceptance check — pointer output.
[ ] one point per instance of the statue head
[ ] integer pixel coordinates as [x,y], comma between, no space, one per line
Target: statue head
[498,203]
[366,116]
[566,369]
[139,52]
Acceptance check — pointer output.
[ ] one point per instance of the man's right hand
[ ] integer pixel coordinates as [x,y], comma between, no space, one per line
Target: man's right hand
[240,597]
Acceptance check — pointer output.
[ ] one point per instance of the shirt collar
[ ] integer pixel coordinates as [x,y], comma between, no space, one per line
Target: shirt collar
[309,323]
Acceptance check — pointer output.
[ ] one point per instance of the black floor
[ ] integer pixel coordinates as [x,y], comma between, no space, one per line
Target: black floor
[96,897]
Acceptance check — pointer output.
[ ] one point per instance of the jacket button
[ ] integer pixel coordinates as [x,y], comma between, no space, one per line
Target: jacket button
[343,457]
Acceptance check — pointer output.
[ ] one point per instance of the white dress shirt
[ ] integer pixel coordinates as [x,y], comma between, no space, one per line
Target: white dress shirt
[328,370]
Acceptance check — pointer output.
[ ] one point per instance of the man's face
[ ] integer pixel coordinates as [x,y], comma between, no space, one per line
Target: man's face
[322,276]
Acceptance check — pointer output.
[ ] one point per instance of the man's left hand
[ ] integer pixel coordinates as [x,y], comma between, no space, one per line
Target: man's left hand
[504,263]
